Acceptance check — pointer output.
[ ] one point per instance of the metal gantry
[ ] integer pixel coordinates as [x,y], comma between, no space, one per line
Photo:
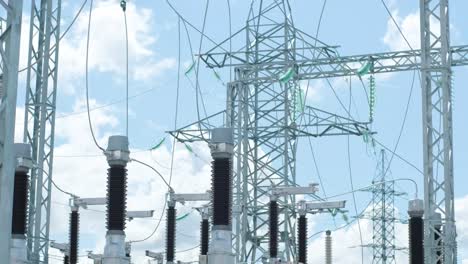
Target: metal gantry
[10,35]
[268,118]
[39,122]
[436,81]
[261,107]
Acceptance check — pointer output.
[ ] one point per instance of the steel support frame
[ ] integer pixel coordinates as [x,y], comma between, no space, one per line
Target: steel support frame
[258,66]
[267,125]
[39,122]
[9,51]
[436,75]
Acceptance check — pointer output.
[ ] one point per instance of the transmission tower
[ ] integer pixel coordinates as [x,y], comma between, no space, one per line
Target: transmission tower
[268,119]
[267,123]
[10,35]
[39,122]
[383,215]
[436,82]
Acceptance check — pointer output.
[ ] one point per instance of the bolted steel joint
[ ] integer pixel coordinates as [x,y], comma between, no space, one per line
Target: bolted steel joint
[302,207]
[222,142]
[437,220]
[73,205]
[117,152]
[23,157]
[171,201]
[416,208]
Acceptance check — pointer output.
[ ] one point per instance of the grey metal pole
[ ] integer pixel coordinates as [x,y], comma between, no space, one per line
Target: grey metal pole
[10,62]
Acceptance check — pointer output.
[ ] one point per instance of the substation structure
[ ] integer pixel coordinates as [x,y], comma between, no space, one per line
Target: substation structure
[267,123]
[260,108]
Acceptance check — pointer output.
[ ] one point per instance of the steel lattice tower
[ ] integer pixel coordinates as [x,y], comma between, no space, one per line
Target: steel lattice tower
[383,215]
[267,123]
[267,120]
[39,128]
[436,82]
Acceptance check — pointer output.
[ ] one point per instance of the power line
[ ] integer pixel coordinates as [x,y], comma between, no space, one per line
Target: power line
[396,24]
[87,77]
[403,123]
[351,177]
[153,169]
[60,189]
[62,36]
[398,156]
[108,104]
[347,224]
[198,93]
[126,69]
[192,26]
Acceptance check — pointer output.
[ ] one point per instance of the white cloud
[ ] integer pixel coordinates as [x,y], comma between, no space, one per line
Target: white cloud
[86,176]
[151,69]
[461,211]
[409,25]
[107,44]
[312,90]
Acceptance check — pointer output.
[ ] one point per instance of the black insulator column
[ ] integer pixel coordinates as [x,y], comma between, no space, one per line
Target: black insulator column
[302,239]
[74,236]
[117,197]
[438,242]
[204,236]
[170,234]
[273,229]
[416,232]
[416,237]
[20,203]
[222,184]
[222,147]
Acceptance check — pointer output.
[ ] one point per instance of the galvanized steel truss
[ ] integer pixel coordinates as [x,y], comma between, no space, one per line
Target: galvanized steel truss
[267,123]
[39,122]
[263,110]
[436,75]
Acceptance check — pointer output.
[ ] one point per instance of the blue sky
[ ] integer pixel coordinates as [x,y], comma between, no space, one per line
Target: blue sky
[358,27]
